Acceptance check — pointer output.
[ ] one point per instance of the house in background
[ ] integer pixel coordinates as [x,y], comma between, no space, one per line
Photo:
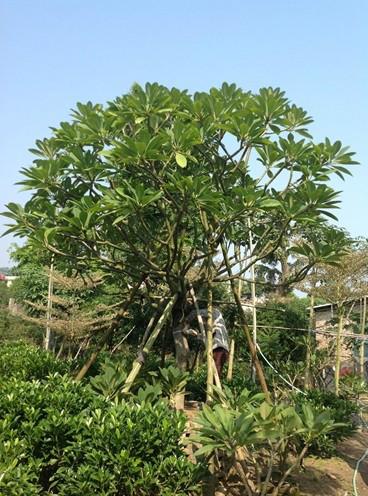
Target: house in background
[8,279]
[324,315]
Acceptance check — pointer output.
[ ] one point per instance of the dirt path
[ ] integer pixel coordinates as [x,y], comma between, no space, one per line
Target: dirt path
[333,477]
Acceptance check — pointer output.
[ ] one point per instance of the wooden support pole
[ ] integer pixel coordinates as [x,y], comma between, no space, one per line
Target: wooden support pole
[216,375]
[363,343]
[308,358]
[338,349]
[137,364]
[252,348]
[209,342]
[49,334]
[253,296]
[199,316]
[231,360]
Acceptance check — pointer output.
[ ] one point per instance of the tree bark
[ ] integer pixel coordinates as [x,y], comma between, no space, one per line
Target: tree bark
[181,348]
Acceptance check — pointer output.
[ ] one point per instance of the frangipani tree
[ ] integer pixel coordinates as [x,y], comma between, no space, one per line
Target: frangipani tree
[160,181]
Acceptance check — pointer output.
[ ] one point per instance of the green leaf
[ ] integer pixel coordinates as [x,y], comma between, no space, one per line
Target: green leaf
[181,160]
[270,203]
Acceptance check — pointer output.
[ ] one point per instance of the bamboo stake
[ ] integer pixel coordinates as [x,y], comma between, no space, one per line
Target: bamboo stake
[48,334]
[216,375]
[338,350]
[147,331]
[307,376]
[203,332]
[199,316]
[231,360]
[115,348]
[237,252]
[137,364]
[253,295]
[363,343]
[252,349]
[60,349]
[210,371]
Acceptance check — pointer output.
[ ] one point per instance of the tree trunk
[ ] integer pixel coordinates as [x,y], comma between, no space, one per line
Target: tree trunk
[362,344]
[137,364]
[283,288]
[181,348]
[338,350]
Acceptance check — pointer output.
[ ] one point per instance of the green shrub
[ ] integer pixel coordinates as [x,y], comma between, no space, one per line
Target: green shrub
[254,440]
[72,442]
[341,411]
[196,387]
[28,362]
[16,477]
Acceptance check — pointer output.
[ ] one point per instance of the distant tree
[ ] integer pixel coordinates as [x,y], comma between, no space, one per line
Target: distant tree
[300,250]
[73,314]
[342,285]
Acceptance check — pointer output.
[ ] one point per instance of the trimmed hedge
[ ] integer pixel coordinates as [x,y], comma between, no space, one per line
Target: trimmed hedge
[27,362]
[59,437]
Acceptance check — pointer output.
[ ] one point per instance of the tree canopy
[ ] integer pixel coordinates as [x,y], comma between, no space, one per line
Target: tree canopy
[153,182]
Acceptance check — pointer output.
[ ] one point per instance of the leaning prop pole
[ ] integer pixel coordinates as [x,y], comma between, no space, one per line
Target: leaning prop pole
[204,337]
[199,316]
[231,360]
[252,348]
[137,364]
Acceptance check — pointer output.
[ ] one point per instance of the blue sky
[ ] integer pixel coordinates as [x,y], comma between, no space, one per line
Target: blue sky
[55,53]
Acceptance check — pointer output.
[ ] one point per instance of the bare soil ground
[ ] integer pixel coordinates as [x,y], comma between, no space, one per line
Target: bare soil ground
[333,477]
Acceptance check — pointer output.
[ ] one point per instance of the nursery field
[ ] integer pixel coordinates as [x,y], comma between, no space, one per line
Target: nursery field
[65,437]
